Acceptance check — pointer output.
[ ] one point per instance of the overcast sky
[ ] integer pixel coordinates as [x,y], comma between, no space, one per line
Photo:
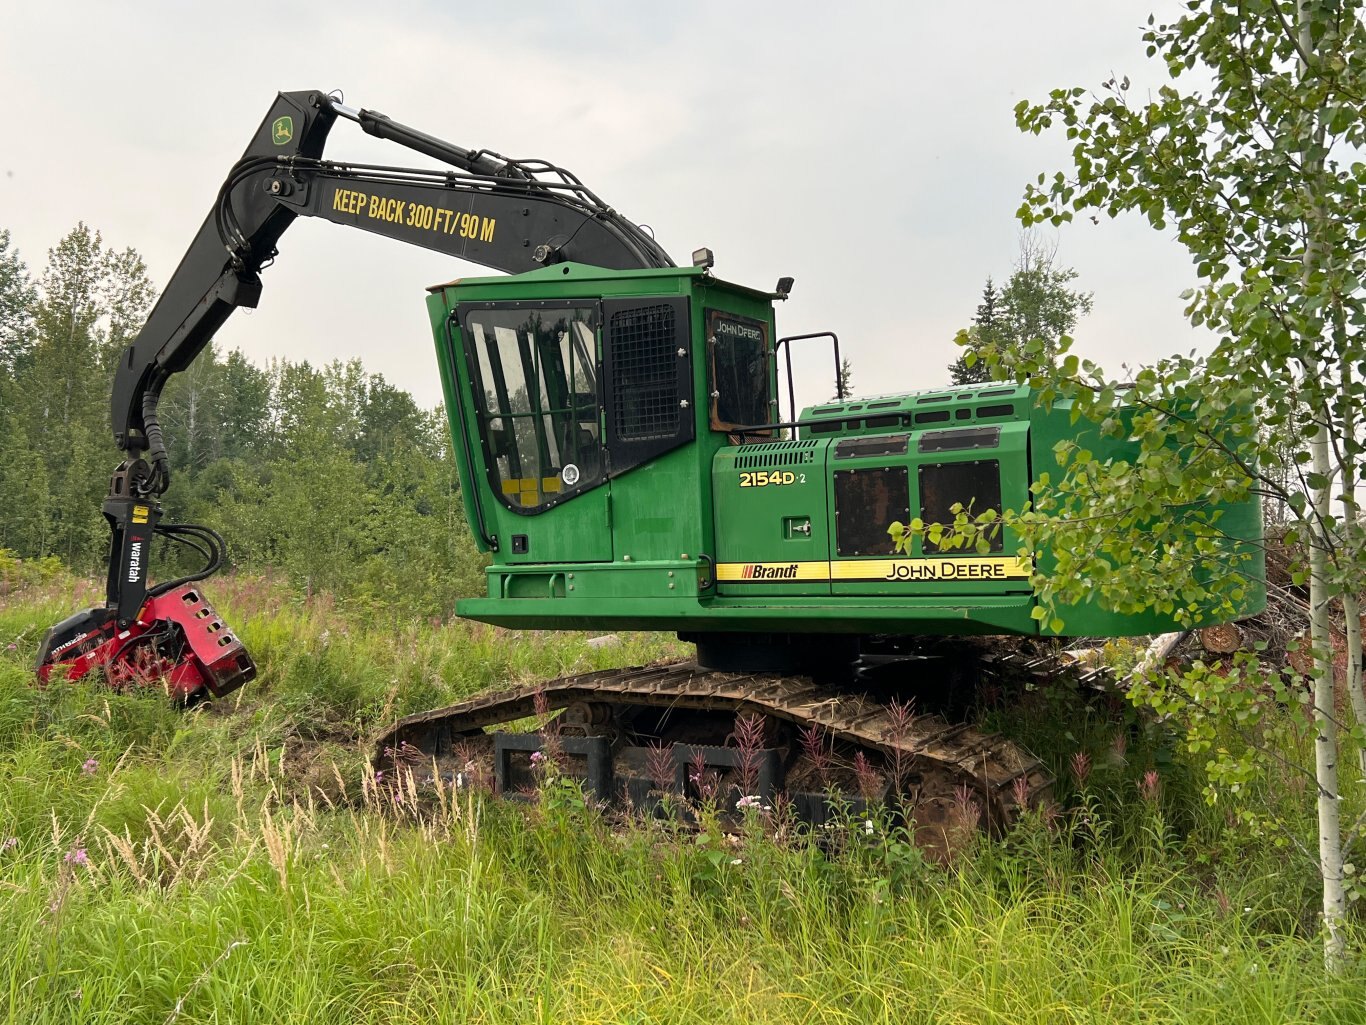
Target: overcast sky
[868,150]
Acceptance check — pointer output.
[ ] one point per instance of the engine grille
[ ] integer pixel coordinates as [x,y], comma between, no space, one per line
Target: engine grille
[776,453]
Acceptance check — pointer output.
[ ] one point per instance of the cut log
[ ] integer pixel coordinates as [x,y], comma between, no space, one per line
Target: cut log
[1223,639]
[1158,651]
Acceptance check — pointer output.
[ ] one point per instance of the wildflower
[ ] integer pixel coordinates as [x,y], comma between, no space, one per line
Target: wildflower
[77,856]
[11,646]
[661,767]
[870,784]
[1149,787]
[379,776]
[9,843]
[967,812]
[813,743]
[90,766]
[752,801]
[1081,767]
[537,757]
[737,861]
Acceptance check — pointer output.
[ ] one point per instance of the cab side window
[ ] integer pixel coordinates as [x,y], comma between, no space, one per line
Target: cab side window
[537,398]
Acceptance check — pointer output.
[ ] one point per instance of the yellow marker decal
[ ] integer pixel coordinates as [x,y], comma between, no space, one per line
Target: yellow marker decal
[763,572]
[140,513]
[911,570]
[422,216]
[886,570]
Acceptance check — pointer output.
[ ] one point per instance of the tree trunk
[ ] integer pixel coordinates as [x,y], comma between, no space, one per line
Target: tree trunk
[1156,654]
[1320,596]
[1223,639]
[1325,739]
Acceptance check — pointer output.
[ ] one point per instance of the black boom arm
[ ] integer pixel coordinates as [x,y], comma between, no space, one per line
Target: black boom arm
[510,215]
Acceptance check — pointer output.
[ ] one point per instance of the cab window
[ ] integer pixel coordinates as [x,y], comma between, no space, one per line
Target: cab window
[538,401]
[740,371]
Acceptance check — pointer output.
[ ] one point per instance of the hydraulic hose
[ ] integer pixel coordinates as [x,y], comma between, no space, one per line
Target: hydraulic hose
[156,444]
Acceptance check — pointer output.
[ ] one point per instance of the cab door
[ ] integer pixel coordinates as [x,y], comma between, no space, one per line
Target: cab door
[534,373]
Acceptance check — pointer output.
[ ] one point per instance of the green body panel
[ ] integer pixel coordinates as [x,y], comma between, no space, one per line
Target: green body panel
[762,522]
[1241,521]
[761,533]
[929,616]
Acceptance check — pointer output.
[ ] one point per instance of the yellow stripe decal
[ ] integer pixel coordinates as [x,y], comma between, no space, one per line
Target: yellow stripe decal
[911,570]
[889,570]
[763,572]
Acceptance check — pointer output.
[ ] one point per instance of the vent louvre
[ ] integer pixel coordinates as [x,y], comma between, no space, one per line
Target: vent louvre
[754,460]
[779,446]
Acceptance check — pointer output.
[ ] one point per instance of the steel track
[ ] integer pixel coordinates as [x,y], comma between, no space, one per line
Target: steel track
[945,757]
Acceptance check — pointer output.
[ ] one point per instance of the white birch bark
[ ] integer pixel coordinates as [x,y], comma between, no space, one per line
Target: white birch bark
[1320,596]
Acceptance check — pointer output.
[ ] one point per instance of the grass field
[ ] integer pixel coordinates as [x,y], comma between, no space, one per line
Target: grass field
[237,864]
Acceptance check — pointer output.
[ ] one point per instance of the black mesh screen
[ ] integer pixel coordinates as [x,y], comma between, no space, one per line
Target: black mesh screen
[647,379]
[867,502]
[645,395]
[976,486]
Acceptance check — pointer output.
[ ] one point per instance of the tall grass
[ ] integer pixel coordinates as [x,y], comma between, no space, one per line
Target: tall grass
[214,867]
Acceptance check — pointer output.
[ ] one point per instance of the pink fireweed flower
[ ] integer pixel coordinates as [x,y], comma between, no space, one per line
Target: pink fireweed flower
[751,801]
[870,784]
[1150,786]
[10,842]
[77,856]
[90,766]
[537,757]
[1081,767]
[11,647]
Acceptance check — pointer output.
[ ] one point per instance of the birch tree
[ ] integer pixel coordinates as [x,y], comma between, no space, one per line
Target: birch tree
[1254,167]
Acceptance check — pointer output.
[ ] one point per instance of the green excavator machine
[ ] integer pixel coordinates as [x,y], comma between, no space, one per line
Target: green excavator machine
[627,461]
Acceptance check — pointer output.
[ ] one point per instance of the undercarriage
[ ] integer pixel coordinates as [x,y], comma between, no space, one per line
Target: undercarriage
[661,737]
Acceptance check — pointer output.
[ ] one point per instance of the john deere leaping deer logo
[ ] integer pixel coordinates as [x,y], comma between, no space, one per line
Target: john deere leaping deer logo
[282,130]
